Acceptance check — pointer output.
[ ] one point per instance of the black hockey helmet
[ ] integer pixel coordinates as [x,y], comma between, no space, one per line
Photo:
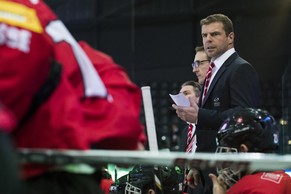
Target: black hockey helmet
[118,187]
[254,127]
[161,179]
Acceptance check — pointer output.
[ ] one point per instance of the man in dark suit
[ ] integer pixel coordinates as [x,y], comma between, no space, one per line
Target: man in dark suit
[233,84]
[189,88]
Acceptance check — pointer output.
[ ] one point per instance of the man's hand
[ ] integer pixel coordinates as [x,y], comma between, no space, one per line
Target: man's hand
[140,146]
[218,185]
[188,114]
[193,178]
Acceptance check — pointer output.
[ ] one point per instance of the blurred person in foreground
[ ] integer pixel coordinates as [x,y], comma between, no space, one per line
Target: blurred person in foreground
[249,131]
[49,83]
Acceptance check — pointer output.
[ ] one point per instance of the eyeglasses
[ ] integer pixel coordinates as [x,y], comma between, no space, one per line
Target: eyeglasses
[198,63]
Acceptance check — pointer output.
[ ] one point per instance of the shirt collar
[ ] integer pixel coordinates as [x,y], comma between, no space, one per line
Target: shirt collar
[222,58]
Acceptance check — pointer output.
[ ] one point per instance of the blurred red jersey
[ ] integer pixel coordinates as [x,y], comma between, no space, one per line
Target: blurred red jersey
[26,62]
[113,123]
[67,108]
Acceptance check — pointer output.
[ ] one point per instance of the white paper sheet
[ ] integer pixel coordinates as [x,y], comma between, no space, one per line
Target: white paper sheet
[180,99]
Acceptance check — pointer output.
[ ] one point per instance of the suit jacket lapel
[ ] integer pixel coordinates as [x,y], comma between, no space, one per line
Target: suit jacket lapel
[219,74]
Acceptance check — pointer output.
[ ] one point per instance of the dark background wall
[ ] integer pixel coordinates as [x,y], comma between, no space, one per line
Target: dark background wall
[155,40]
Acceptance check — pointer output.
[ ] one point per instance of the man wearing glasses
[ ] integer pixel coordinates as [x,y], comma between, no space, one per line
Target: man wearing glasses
[200,64]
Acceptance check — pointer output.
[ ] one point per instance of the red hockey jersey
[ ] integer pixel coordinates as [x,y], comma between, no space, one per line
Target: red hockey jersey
[76,113]
[263,183]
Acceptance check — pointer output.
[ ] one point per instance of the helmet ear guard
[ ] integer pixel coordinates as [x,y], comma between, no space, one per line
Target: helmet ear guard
[130,189]
[221,149]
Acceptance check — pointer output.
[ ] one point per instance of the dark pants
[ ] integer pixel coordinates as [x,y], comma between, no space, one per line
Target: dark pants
[10,182]
[59,182]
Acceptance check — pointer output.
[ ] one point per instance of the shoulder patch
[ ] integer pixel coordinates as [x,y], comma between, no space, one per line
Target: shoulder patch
[19,15]
[268,176]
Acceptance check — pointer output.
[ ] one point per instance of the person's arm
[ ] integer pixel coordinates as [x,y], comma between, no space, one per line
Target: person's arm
[193,178]
[218,186]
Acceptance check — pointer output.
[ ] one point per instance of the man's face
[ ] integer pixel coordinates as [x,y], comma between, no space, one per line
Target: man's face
[201,67]
[215,40]
[189,91]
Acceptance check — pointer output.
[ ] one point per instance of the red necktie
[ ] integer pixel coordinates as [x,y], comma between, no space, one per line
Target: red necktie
[207,80]
[188,150]
[189,139]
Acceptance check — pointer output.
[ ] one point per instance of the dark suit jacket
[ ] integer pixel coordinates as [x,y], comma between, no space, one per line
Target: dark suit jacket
[235,86]
[183,139]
